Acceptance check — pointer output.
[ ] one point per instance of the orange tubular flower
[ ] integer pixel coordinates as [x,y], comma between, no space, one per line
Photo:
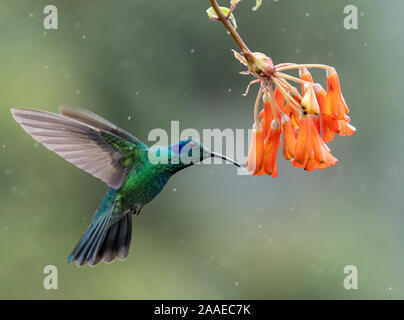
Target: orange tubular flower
[272,142]
[289,138]
[311,151]
[255,154]
[307,118]
[291,112]
[309,102]
[266,115]
[305,75]
[304,148]
[329,124]
[335,101]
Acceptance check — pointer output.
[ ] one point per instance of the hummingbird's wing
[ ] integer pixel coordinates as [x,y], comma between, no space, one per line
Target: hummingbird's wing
[102,154]
[94,120]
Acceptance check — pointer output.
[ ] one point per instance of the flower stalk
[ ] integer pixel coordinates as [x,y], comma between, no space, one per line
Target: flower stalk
[232,31]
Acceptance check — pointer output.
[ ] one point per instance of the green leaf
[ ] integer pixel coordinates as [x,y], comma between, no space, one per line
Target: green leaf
[234,2]
[257,5]
[212,15]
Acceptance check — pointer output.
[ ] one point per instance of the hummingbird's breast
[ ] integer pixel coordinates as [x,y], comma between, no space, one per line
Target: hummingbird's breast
[142,185]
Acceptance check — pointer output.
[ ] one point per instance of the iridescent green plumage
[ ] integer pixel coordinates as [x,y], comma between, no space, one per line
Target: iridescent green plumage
[135,173]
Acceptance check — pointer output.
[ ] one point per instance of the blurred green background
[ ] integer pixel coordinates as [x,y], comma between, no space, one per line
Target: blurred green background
[210,233]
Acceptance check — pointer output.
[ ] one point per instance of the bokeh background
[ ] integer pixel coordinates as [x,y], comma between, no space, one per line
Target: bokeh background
[210,233]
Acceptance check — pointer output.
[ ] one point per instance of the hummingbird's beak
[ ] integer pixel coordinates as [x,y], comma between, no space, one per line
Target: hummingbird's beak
[209,153]
[223,157]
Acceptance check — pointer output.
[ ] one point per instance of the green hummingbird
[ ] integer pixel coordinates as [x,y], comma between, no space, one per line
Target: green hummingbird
[134,172]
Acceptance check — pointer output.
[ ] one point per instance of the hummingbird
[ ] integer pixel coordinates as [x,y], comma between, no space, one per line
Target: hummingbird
[127,165]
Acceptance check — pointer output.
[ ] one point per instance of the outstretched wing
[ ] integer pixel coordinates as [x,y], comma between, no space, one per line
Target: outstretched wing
[96,151]
[94,120]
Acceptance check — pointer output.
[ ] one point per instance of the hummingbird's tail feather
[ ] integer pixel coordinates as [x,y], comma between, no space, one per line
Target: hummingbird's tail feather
[92,238]
[117,241]
[105,239]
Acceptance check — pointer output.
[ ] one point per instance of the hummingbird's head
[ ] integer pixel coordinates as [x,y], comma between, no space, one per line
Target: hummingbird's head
[192,151]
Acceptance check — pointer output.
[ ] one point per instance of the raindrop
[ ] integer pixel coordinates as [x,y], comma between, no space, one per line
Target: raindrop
[31,15]
[192,50]
[129,117]
[314,57]
[307,14]
[175,189]
[13,191]
[77,91]
[83,36]
[124,64]
[229,90]
[321,36]
[236,283]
